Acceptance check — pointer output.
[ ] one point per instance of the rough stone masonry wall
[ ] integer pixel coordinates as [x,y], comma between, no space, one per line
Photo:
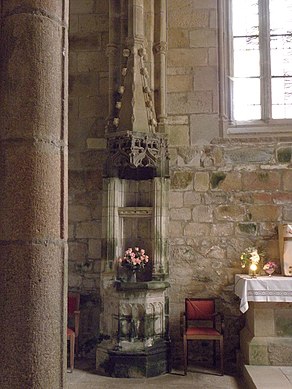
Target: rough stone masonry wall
[220,205]
[88,108]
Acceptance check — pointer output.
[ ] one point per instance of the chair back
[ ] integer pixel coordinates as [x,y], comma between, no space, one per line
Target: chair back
[73,306]
[200,322]
[73,303]
[73,309]
[200,309]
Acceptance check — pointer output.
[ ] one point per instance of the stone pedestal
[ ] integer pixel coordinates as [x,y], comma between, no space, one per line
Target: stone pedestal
[267,336]
[138,327]
[151,362]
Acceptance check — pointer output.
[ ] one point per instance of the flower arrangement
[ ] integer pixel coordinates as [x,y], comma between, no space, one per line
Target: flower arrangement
[250,256]
[270,266]
[134,259]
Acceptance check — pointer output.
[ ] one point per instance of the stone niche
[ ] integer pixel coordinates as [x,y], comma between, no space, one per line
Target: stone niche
[135,213]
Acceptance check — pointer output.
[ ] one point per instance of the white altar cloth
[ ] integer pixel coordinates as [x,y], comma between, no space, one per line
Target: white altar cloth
[263,289]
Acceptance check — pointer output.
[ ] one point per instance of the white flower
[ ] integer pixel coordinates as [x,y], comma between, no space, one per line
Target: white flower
[254,257]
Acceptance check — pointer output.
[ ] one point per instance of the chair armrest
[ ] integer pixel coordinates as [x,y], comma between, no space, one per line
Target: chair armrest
[221,320]
[76,322]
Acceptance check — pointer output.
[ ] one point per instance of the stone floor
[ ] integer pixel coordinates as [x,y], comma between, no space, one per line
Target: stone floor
[256,377]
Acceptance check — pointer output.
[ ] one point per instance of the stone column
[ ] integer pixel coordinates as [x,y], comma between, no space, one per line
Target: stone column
[161,203]
[33,193]
[112,53]
[160,47]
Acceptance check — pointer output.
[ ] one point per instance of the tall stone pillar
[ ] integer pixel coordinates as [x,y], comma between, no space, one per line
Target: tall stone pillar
[33,193]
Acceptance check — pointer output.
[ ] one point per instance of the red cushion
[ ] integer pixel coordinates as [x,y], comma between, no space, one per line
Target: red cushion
[202,331]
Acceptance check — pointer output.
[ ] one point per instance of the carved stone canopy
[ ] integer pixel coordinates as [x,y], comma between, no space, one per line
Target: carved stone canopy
[133,150]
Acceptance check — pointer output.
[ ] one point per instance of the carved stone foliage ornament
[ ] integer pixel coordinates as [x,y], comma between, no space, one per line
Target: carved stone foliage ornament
[137,150]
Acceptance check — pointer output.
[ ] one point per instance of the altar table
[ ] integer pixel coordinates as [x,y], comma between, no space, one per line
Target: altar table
[262,289]
[266,338]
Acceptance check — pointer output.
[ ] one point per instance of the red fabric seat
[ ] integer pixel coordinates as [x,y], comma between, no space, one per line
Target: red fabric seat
[202,331]
[198,314]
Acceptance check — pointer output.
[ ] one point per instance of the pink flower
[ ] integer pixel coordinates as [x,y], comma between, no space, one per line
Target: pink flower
[270,265]
[134,259]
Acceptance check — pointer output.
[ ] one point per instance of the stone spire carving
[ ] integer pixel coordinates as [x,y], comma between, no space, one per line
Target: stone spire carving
[134,107]
[132,130]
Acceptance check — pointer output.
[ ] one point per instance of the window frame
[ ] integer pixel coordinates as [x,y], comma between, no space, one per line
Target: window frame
[229,126]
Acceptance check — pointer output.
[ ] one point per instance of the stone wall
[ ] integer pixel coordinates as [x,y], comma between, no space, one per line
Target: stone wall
[225,193]
[192,72]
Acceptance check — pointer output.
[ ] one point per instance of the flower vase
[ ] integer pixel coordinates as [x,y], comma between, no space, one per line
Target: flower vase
[269,272]
[132,276]
[252,271]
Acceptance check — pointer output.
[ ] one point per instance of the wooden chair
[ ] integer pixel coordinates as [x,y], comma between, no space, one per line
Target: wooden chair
[73,325]
[200,323]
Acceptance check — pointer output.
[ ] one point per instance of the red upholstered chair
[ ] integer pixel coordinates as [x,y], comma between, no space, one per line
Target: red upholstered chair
[201,323]
[73,324]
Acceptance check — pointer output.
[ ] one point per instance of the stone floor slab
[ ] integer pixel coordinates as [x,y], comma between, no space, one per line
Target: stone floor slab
[268,377]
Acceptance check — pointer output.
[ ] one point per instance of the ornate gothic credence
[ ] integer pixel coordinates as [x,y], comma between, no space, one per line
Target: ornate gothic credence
[135,193]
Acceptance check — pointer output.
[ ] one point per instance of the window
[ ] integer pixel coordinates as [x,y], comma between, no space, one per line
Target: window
[256,74]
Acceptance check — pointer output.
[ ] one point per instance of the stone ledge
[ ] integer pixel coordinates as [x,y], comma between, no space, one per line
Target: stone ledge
[149,285]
